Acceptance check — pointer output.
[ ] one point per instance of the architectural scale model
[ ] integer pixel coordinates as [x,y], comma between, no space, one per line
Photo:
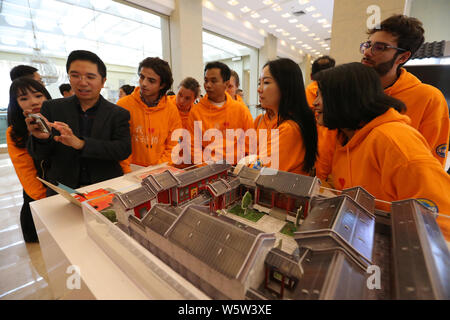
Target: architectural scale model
[182,219]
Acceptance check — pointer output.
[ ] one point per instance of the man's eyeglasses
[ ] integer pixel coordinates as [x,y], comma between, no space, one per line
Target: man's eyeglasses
[78,77]
[377,47]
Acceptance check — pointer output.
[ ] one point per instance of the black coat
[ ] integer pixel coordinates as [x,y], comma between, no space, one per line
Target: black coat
[109,143]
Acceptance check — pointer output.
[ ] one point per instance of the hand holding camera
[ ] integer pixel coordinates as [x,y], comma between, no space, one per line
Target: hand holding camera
[38,126]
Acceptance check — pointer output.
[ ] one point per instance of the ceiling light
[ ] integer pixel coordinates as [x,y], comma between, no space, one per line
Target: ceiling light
[305,46]
[300,26]
[286,33]
[292,47]
[327,48]
[293,20]
[248,25]
[267,2]
[230,15]
[311,8]
[277,8]
[316,39]
[299,42]
[279,30]
[255,15]
[316,15]
[262,32]
[292,38]
[311,35]
[264,21]
[322,21]
[283,42]
[272,26]
[324,45]
[305,29]
[246,9]
[327,26]
[300,51]
[286,15]
[303,1]
[233,2]
[209,5]
[329,31]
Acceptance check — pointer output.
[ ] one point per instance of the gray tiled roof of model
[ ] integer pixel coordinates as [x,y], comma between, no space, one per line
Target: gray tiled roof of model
[345,217]
[222,246]
[248,176]
[219,187]
[162,181]
[414,232]
[136,197]
[286,182]
[222,186]
[160,218]
[320,266]
[287,264]
[360,195]
[191,176]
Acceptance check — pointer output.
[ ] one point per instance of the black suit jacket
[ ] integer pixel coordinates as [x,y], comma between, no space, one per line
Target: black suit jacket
[109,143]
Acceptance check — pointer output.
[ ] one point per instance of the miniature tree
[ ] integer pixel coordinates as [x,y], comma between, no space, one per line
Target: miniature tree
[246,202]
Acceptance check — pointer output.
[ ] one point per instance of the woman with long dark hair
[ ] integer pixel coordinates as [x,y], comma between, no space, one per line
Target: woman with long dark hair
[376,147]
[25,96]
[282,96]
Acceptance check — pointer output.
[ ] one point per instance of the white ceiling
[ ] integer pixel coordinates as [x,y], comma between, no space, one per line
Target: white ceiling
[308,33]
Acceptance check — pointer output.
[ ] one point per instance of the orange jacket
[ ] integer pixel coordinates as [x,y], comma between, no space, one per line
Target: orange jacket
[151,130]
[25,169]
[326,138]
[428,110]
[392,161]
[232,115]
[311,93]
[290,143]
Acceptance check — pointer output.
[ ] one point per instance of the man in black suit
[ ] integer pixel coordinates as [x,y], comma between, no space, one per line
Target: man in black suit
[89,135]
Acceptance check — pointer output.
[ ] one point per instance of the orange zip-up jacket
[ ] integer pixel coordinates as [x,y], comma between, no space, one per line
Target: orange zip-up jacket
[290,143]
[392,161]
[326,138]
[25,169]
[428,110]
[151,130]
[232,115]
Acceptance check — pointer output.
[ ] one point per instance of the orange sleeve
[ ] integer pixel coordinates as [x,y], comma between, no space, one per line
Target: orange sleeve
[311,93]
[25,169]
[436,127]
[326,145]
[174,123]
[423,180]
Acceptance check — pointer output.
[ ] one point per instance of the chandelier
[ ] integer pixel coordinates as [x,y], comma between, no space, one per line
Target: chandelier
[48,71]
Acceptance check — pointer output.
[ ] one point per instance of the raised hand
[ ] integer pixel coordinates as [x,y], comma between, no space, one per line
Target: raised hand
[34,128]
[67,137]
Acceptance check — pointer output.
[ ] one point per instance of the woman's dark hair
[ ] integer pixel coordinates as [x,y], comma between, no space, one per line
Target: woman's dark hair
[162,69]
[191,84]
[127,89]
[352,96]
[16,119]
[293,105]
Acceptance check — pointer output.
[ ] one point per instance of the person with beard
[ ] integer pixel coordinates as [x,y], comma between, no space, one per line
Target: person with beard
[376,148]
[387,50]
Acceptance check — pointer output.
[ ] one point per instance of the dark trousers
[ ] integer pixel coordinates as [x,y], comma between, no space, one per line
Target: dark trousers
[26,220]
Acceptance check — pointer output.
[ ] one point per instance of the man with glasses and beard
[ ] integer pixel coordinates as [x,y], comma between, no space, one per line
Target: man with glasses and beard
[388,48]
